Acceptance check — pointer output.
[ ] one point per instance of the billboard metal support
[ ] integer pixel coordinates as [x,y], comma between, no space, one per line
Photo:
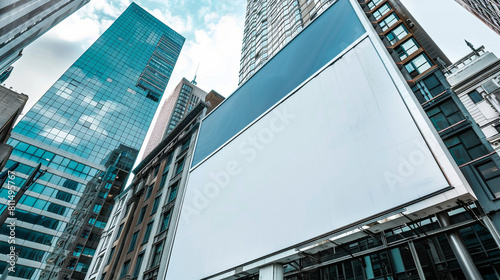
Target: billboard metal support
[271,272]
[457,245]
[414,254]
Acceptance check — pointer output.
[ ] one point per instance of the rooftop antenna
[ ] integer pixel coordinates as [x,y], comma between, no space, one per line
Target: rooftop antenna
[471,46]
[195,73]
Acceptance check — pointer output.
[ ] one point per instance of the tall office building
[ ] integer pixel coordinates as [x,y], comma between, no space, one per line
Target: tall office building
[487,11]
[475,79]
[22,22]
[178,104]
[11,106]
[270,25]
[103,102]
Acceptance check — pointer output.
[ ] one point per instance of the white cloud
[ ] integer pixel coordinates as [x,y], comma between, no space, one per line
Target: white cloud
[179,24]
[87,24]
[76,29]
[211,16]
[217,50]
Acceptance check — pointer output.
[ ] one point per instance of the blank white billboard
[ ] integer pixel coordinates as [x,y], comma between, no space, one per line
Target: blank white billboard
[339,150]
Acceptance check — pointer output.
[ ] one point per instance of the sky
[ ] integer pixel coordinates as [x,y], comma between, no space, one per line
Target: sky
[213,30]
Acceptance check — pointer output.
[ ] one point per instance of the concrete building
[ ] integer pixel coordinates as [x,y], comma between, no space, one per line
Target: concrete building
[105,101]
[488,11]
[476,80]
[137,243]
[291,188]
[11,106]
[22,22]
[179,103]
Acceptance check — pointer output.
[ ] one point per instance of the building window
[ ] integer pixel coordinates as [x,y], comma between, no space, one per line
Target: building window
[165,171]
[445,115]
[396,34]
[387,22]
[475,96]
[133,241]
[497,127]
[465,147]
[165,221]
[138,264]
[381,11]
[180,166]
[82,267]
[428,88]
[78,250]
[110,255]
[149,228]
[157,168]
[156,203]
[149,192]
[97,208]
[185,145]
[372,4]
[125,268]
[119,231]
[418,65]
[491,175]
[142,214]
[163,179]
[407,48]
[490,86]
[157,254]
[173,191]
[98,264]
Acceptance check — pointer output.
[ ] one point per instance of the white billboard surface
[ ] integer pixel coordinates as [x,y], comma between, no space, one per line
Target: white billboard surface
[340,149]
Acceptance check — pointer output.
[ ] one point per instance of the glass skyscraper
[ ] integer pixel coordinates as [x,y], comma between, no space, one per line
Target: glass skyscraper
[104,101]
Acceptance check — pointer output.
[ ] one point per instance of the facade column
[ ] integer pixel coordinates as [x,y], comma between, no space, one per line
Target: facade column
[459,249]
[491,222]
[271,272]
[414,254]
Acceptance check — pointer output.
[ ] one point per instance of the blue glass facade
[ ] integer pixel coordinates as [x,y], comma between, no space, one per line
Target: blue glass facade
[110,94]
[107,98]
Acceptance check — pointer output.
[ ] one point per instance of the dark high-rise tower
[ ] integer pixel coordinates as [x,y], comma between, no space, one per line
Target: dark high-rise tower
[103,102]
[487,11]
